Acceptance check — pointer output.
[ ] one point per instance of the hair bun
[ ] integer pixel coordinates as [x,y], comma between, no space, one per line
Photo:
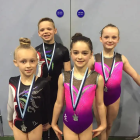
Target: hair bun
[76,35]
[25,42]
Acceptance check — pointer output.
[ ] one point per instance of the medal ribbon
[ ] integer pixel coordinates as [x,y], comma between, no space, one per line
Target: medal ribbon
[28,97]
[48,65]
[80,89]
[112,67]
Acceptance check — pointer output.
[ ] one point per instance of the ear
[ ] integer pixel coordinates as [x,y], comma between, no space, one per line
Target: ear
[118,39]
[39,33]
[55,31]
[91,54]
[15,62]
[100,39]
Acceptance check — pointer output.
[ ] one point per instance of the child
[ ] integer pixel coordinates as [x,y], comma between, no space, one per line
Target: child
[78,88]
[53,57]
[110,65]
[28,96]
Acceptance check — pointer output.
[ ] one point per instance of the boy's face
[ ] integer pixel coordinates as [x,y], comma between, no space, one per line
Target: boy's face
[47,31]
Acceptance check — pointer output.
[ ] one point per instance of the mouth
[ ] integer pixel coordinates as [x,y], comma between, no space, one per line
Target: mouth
[109,44]
[46,36]
[28,71]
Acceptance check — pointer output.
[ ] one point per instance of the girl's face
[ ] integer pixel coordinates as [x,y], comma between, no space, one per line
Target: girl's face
[110,37]
[26,60]
[47,31]
[80,54]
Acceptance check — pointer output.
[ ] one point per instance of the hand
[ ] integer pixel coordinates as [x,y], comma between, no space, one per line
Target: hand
[46,127]
[57,131]
[11,124]
[98,131]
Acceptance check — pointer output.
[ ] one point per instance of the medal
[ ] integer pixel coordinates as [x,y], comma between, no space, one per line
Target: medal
[103,70]
[23,127]
[49,77]
[28,97]
[75,117]
[105,89]
[48,65]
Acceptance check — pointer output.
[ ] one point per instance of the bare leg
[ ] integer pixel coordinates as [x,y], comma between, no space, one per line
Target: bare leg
[36,134]
[102,136]
[86,134]
[112,112]
[18,134]
[69,134]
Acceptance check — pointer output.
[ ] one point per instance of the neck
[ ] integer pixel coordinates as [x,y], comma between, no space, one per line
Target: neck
[49,42]
[79,72]
[108,52]
[26,80]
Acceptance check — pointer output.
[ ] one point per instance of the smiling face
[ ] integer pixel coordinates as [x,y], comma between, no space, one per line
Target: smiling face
[110,37]
[80,54]
[46,31]
[26,60]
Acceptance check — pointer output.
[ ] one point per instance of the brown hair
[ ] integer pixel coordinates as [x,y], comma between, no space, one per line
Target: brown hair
[109,25]
[46,19]
[79,37]
[25,43]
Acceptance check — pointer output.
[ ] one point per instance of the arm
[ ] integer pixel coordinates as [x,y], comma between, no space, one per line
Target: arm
[58,107]
[100,102]
[91,63]
[100,107]
[67,66]
[10,108]
[59,101]
[130,71]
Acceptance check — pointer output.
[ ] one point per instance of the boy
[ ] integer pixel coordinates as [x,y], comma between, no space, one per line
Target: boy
[55,59]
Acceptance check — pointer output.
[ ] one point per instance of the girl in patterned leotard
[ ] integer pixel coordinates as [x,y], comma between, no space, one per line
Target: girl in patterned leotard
[28,125]
[78,118]
[117,62]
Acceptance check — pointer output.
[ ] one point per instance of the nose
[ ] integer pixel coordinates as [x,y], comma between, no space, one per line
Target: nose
[80,56]
[110,39]
[28,64]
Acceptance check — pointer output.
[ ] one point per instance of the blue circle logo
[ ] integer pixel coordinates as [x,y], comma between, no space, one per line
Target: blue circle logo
[59,13]
[80,13]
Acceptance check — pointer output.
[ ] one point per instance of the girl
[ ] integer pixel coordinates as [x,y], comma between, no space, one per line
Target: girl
[28,96]
[110,65]
[78,88]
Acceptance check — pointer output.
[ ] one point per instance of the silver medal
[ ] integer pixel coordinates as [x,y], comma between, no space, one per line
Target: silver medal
[105,89]
[75,118]
[23,127]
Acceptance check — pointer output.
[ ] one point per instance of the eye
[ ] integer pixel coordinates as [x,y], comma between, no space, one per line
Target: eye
[41,30]
[106,37]
[114,37]
[23,61]
[49,28]
[85,53]
[32,61]
[75,52]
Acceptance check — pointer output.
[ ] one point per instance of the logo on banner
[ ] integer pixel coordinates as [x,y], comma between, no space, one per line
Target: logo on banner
[80,13]
[59,13]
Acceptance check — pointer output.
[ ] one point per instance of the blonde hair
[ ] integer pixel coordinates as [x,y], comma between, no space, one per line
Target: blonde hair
[25,43]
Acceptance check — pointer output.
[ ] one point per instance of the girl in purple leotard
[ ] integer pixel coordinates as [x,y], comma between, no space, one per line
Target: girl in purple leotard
[110,65]
[78,88]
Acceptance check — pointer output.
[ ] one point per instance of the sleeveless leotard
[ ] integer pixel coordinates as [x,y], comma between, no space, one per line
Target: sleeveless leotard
[84,107]
[114,83]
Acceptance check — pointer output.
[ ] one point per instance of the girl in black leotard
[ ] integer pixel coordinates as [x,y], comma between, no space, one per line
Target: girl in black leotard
[28,96]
